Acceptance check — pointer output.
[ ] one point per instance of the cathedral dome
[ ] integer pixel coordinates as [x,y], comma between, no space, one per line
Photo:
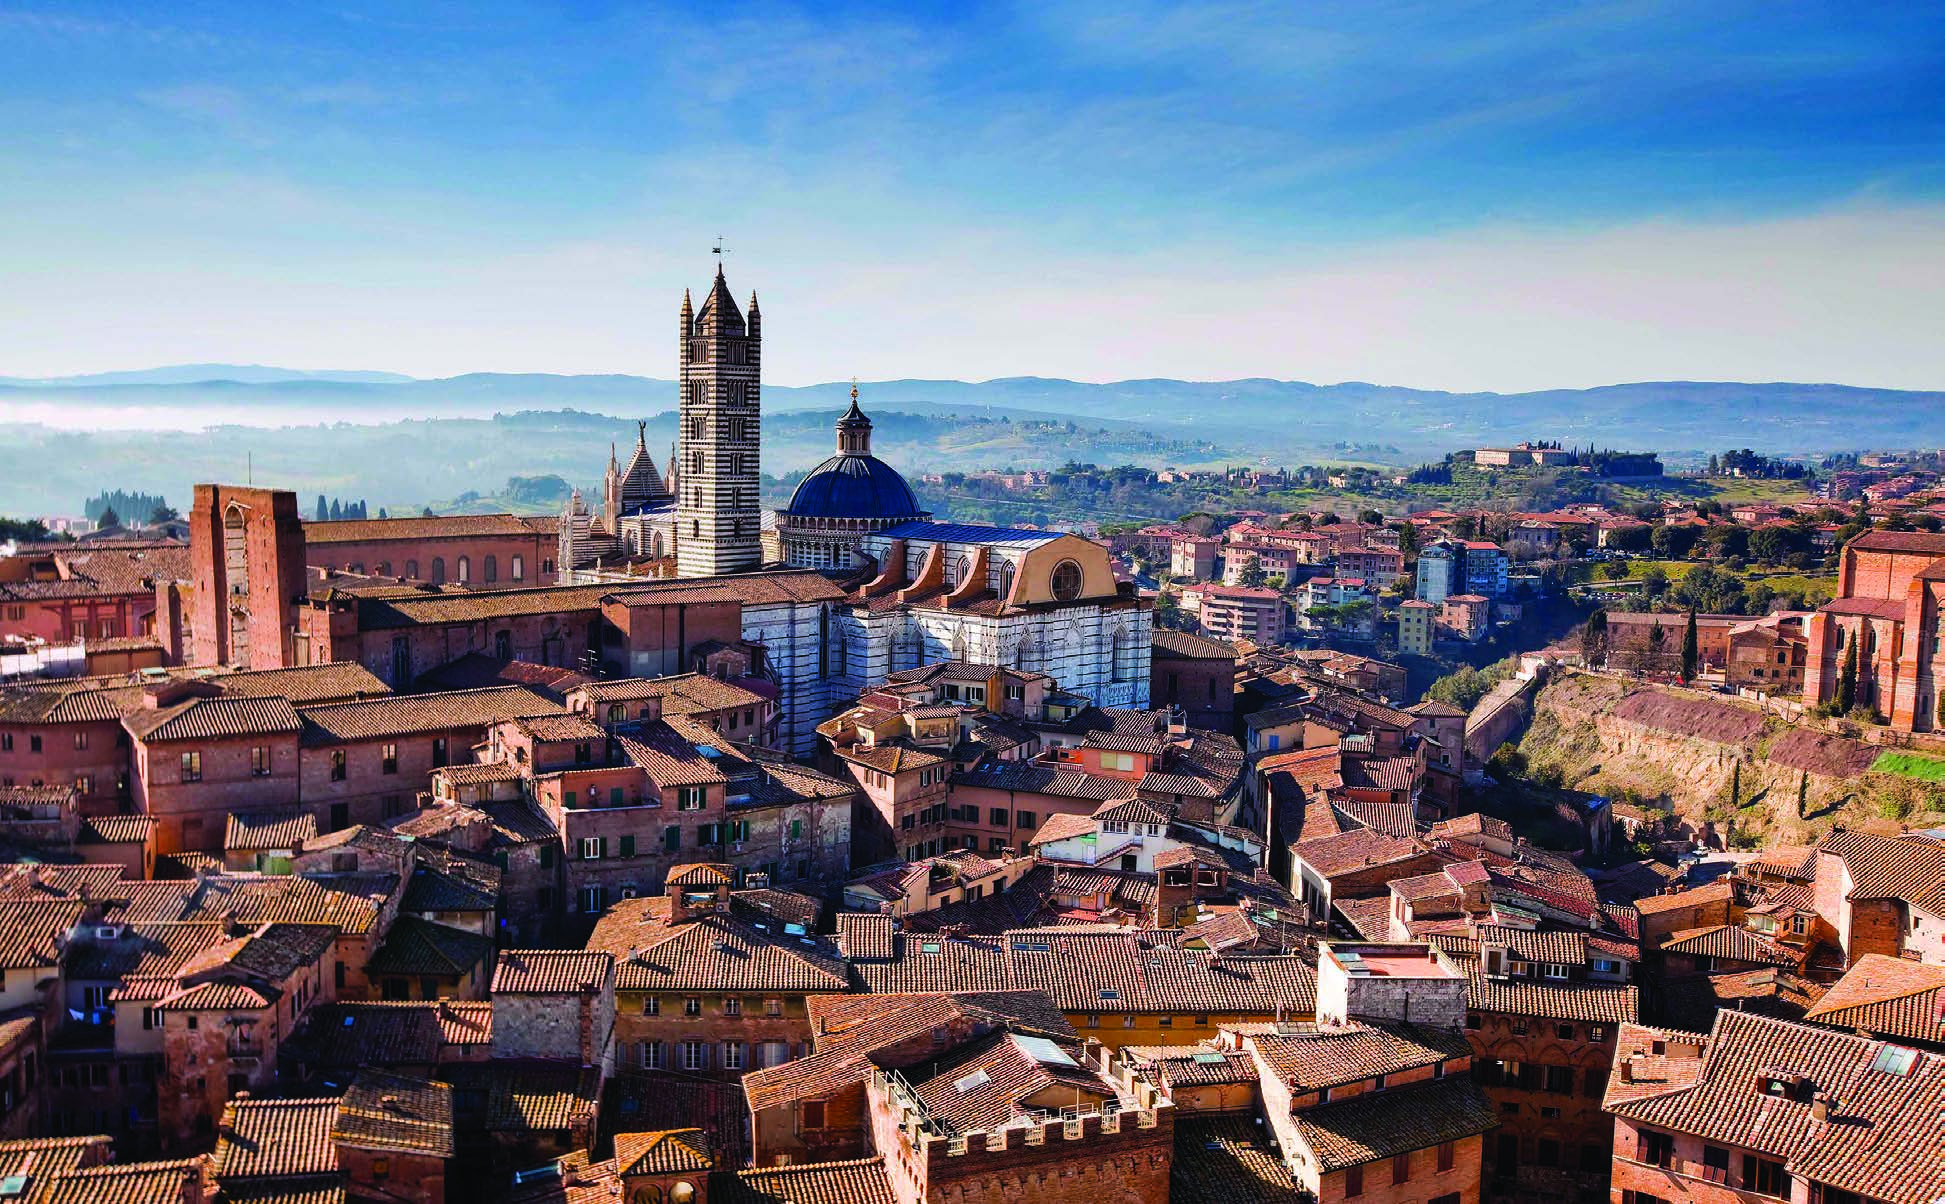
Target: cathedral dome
[850,485]
[845,497]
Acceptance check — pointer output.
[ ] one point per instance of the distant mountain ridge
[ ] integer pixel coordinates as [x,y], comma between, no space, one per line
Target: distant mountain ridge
[190,374]
[1284,419]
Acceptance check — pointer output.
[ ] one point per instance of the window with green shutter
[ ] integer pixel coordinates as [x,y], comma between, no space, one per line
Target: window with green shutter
[567,798]
[546,857]
[615,797]
[628,846]
[796,828]
[671,837]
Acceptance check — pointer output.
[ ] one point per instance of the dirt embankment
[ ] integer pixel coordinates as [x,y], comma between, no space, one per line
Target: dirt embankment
[1691,752]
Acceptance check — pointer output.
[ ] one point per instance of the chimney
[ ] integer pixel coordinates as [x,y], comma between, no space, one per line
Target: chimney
[1627,1070]
[1820,1106]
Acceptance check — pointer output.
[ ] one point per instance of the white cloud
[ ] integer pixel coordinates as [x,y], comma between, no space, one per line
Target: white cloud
[1854,296]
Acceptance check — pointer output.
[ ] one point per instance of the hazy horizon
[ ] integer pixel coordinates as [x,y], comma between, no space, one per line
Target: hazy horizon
[1535,196]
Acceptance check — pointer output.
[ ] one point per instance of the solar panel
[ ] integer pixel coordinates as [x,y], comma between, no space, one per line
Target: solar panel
[1210,1059]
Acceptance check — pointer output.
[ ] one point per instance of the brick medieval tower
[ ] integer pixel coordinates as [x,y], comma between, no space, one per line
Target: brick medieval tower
[719,520]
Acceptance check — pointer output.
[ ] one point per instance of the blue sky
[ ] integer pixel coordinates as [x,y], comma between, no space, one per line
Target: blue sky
[1448,195]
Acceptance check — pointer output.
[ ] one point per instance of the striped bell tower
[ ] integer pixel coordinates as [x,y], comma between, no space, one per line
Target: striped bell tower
[718,516]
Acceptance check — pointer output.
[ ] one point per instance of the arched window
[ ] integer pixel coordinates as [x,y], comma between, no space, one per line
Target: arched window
[1006,579]
[1117,648]
[492,568]
[1065,583]
[384,568]
[961,571]
[438,570]
[465,569]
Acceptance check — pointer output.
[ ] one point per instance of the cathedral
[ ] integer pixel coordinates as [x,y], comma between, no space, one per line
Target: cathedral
[637,517]
[847,497]
[902,590]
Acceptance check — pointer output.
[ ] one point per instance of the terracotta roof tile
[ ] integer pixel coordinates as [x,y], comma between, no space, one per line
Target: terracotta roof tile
[1354,850]
[551,971]
[408,714]
[269,830]
[1883,868]
[346,1035]
[1887,997]
[865,936]
[418,948]
[1309,1057]
[265,1139]
[862,1181]
[668,1152]
[1728,942]
[213,719]
[1226,1160]
[712,952]
[1879,1139]
[127,1183]
[523,1097]
[1376,1125]
[386,1111]
[32,931]
[1697,896]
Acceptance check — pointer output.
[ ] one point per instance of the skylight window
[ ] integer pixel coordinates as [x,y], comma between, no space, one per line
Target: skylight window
[1110,994]
[1895,1060]
[1043,1051]
[977,1078]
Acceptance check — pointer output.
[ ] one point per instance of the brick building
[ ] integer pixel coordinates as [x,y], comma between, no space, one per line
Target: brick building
[1196,674]
[97,593]
[1760,1107]
[1373,1100]
[1890,587]
[704,987]
[1008,1116]
[814,1109]
[489,551]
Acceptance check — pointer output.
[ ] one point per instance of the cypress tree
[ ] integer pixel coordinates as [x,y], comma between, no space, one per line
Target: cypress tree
[1735,786]
[337,511]
[323,508]
[1847,680]
[1691,649]
[1802,794]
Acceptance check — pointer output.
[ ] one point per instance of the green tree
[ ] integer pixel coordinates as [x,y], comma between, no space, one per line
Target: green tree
[1654,582]
[163,514]
[1672,543]
[323,508]
[1735,786]
[1629,539]
[1253,573]
[1371,518]
[1407,539]
[1615,570]
[1802,795]
[1847,680]
[1691,650]
[108,518]
[1593,638]
[1462,688]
